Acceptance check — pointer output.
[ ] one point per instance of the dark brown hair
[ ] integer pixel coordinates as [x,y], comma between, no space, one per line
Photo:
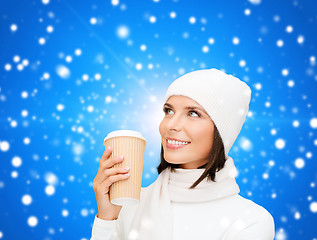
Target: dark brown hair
[216,160]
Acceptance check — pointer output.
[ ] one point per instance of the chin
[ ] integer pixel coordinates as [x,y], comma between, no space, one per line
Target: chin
[174,160]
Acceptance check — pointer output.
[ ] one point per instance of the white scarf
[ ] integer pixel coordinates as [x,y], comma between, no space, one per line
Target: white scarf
[154,220]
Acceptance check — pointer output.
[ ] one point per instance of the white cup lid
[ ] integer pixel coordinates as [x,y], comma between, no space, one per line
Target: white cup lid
[124,133]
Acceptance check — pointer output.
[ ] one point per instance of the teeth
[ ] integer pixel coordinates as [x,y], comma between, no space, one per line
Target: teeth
[177,142]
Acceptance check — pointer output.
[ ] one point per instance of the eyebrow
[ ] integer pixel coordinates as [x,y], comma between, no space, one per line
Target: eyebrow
[188,107]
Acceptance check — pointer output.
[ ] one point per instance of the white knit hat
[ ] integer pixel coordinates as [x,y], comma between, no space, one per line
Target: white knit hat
[224,97]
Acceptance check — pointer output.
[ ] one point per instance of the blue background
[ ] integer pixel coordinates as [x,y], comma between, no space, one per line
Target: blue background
[53,121]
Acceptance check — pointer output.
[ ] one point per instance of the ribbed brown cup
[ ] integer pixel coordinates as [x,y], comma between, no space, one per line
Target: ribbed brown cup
[131,145]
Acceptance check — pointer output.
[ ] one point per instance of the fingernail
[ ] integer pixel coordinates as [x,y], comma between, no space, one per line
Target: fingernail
[108,148]
[126,168]
[121,157]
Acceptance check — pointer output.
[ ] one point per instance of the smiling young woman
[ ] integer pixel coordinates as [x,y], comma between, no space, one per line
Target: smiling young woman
[195,195]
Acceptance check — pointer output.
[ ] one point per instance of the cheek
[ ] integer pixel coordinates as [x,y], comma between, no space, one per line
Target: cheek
[161,128]
[205,136]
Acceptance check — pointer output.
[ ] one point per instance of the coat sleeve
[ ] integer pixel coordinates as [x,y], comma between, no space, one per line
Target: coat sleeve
[106,229]
[262,228]
[114,229]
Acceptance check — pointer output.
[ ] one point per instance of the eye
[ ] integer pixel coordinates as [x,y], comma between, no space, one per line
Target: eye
[198,115]
[165,110]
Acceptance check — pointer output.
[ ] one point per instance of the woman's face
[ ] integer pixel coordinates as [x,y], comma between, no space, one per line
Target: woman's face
[185,120]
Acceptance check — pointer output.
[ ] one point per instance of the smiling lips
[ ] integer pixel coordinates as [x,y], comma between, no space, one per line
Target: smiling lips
[175,144]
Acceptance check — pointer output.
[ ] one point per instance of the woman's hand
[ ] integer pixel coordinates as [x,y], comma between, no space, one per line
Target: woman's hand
[105,177]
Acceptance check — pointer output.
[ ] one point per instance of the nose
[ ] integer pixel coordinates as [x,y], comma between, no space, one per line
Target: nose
[175,123]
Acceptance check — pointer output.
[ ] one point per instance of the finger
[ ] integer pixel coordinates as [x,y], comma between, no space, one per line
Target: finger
[115,178]
[103,158]
[106,154]
[109,163]
[100,176]
[103,187]
[111,172]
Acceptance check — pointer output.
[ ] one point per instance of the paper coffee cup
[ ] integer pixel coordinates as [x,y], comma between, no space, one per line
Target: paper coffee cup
[130,144]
